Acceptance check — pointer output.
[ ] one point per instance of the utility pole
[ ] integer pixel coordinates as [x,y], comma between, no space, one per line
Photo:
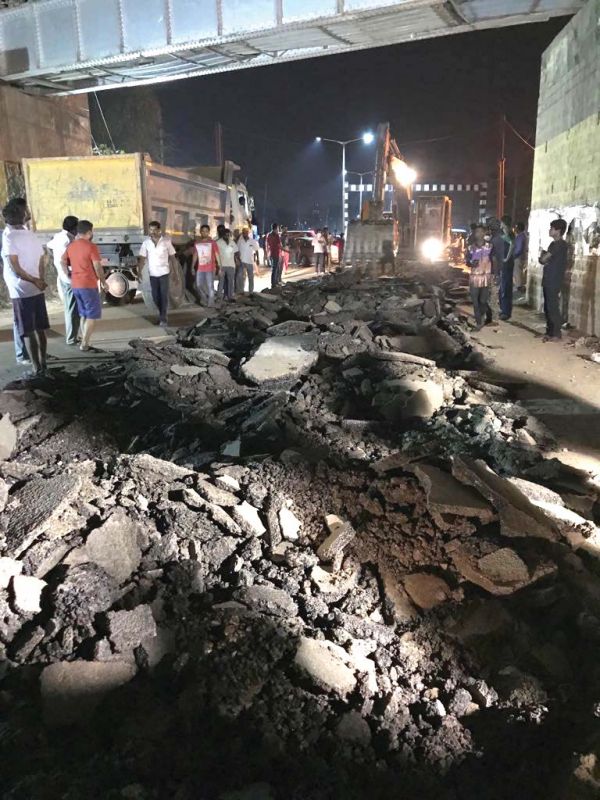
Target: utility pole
[219,143]
[501,172]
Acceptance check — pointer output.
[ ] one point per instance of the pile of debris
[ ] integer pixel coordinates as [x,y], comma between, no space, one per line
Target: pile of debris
[302,551]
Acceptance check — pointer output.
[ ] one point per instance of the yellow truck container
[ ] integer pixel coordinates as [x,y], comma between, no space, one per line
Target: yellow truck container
[120,195]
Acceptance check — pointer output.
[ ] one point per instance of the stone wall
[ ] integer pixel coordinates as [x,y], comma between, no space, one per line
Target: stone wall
[566,173]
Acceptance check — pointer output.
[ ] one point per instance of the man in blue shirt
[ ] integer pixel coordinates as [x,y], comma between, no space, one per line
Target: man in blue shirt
[554,261]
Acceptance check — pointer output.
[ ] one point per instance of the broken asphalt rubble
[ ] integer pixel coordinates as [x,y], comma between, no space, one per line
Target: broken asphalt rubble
[301,550]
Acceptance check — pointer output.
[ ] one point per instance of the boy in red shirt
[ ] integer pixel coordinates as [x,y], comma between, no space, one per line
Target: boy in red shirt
[82,260]
[205,260]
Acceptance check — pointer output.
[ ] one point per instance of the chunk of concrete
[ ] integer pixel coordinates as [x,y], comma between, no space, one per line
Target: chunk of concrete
[27,593]
[127,629]
[248,519]
[518,515]
[71,690]
[331,307]
[269,599]
[326,665]
[292,327]
[115,546]
[290,524]
[38,503]
[8,568]
[216,495]
[340,535]
[227,482]
[354,728]
[397,604]
[186,370]
[282,358]
[427,591]
[8,437]
[446,495]
[504,566]
[501,572]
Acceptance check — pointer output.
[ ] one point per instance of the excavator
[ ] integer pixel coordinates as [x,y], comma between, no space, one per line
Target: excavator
[413,228]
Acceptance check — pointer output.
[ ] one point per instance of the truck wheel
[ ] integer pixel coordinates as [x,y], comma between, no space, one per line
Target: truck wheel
[120,301]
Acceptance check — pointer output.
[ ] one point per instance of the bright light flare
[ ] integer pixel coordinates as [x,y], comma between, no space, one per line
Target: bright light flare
[368,138]
[318,139]
[405,175]
[432,249]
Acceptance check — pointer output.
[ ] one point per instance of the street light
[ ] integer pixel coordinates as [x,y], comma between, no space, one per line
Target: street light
[361,187]
[366,138]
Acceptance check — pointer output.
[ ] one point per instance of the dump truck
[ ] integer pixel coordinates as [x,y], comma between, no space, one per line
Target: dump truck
[121,194]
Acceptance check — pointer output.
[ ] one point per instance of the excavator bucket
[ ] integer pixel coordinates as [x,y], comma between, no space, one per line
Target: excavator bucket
[374,242]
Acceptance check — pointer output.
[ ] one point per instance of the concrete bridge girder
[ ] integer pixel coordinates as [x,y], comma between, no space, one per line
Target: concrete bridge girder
[69,46]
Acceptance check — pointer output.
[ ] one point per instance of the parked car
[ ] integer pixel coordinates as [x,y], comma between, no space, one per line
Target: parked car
[301,248]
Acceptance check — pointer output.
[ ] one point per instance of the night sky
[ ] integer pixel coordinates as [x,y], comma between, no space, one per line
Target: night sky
[456,87]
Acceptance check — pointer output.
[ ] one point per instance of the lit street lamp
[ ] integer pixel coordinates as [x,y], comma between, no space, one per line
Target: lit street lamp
[367,138]
[361,186]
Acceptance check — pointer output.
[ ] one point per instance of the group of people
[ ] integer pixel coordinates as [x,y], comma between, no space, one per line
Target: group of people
[232,260]
[80,274]
[497,258]
[321,242]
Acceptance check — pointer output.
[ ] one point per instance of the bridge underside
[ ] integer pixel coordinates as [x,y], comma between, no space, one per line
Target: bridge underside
[69,46]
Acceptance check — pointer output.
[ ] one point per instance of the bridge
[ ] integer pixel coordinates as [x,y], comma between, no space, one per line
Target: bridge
[72,46]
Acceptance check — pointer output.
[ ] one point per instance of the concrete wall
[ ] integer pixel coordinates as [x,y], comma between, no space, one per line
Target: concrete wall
[566,172]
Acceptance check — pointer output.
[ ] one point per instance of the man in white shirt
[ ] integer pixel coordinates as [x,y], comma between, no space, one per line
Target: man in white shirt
[21,354]
[228,260]
[248,250]
[319,251]
[58,246]
[159,252]
[23,260]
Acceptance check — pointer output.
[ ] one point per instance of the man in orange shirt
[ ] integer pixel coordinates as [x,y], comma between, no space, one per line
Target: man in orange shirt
[82,261]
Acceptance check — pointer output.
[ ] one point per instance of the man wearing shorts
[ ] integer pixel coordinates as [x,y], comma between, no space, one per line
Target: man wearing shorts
[82,257]
[23,259]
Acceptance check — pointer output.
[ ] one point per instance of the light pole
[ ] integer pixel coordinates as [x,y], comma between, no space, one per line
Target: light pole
[361,187]
[367,138]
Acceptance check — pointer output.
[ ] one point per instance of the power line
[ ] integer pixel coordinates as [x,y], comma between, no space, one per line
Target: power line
[105,123]
[518,135]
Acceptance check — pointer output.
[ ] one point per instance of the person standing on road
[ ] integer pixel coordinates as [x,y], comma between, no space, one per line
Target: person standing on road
[507,269]
[57,246]
[84,260]
[273,251]
[285,251]
[326,243]
[480,278]
[554,261]
[159,252]
[24,261]
[497,261]
[205,260]
[228,260]
[520,256]
[319,252]
[21,354]
[248,248]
